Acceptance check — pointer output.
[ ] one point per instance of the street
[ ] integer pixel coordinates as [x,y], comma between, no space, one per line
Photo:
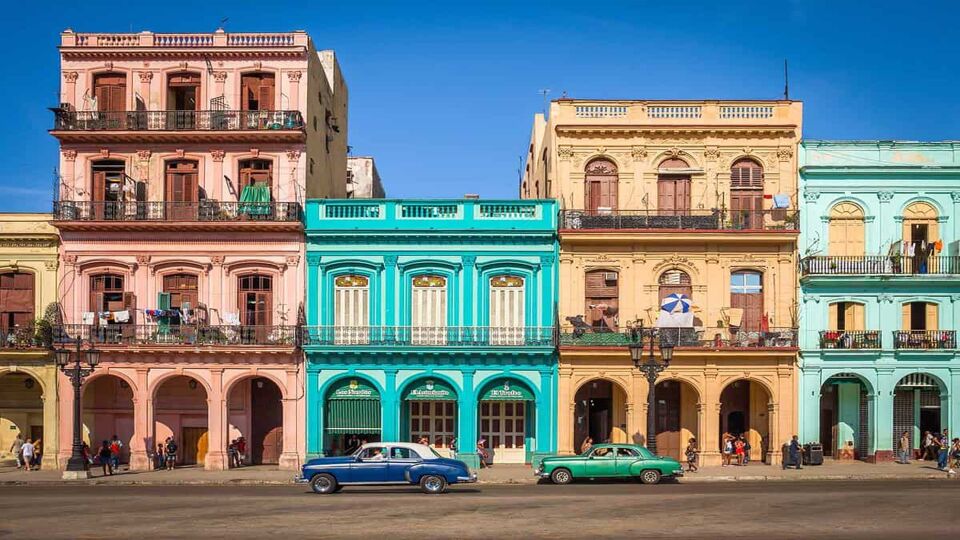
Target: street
[785,509]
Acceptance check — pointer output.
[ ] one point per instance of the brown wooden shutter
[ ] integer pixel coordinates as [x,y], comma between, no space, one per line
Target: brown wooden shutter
[266,94]
[249,90]
[99,186]
[666,194]
[96,303]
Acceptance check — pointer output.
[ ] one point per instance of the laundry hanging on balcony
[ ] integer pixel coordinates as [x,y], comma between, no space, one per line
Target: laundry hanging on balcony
[255,199]
[675,312]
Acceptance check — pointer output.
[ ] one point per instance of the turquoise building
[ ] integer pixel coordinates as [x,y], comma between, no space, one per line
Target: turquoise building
[432,320]
[880,294]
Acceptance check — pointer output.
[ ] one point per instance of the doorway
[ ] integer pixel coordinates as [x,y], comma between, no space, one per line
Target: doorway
[182,190]
[195,443]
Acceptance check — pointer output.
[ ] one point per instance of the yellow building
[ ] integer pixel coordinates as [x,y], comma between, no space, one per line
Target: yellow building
[28,288]
[696,198]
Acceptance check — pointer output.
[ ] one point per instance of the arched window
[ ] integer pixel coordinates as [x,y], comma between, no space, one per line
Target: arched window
[429,310]
[846,233]
[746,194]
[602,181]
[602,300]
[675,281]
[673,187]
[920,224]
[746,296]
[16,301]
[351,309]
[507,310]
[256,300]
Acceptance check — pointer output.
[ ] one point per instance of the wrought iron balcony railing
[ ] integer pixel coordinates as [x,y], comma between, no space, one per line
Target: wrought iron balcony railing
[850,339]
[28,336]
[206,211]
[880,264]
[704,338]
[173,335]
[66,120]
[924,339]
[710,220]
[412,336]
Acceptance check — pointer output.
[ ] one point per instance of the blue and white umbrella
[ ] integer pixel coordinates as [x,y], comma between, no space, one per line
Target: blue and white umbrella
[675,302]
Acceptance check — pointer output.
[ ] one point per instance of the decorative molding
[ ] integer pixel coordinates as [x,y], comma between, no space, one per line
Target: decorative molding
[390,260]
[143,259]
[547,259]
[886,298]
[255,152]
[181,152]
[51,265]
[469,260]
[293,155]
[217,260]
[955,195]
[144,155]
[294,76]
[810,195]
[291,260]
[220,76]
[104,153]
[217,155]
[565,153]
[639,153]
[885,196]
[146,76]
[70,76]
[784,153]
[313,259]
[712,153]
[70,260]
[69,155]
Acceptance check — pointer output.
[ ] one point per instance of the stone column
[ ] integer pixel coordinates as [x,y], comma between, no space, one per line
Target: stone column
[773,435]
[143,443]
[809,403]
[314,418]
[68,176]
[219,79]
[883,427]
[313,290]
[564,412]
[50,417]
[216,188]
[294,78]
[710,445]
[65,426]
[390,417]
[389,310]
[467,420]
[217,430]
[468,284]
[145,78]
[289,457]
[69,92]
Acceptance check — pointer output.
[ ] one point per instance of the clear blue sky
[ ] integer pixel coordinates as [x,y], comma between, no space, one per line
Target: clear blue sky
[443,94]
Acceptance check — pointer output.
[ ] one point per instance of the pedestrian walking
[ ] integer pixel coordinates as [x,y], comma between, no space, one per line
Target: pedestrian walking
[726,449]
[158,462]
[241,451]
[927,450]
[233,459]
[26,455]
[171,453]
[482,453]
[87,458]
[586,445]
[37,454]
[691,453]
[738,445]
[795,453]
[904,448]
[942,456]
[17,449]
[954,456]
[746,449]
[116,445]
[106,458]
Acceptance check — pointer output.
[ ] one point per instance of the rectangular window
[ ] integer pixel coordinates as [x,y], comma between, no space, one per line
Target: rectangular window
[428,318]
[351,310]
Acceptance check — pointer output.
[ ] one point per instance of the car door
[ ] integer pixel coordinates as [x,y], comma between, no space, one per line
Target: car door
[601,462]
[371,466]
[400,460]
[625,458]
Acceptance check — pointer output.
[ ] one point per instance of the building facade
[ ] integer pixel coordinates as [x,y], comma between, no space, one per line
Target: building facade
[363,179]
[659,198]
[431,320]
[880,290]
[28,296]
[184,160]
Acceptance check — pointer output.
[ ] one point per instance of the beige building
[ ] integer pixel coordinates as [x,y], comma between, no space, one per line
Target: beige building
[658,198]
[28,376]
[363,179]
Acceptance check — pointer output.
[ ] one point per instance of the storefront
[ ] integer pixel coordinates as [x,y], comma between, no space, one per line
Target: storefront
[352,415]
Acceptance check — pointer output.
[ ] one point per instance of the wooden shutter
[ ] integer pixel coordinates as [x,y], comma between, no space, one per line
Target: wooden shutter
[249,91]
[832,316]
[99,186]
[932,316]
[601,182]
[905,316]
[96,303]
[859,317]
[130,303]
[265,94]
[666,194]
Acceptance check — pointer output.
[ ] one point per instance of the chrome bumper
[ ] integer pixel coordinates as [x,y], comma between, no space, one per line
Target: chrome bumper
[678,472]
[298,479]
[467,479]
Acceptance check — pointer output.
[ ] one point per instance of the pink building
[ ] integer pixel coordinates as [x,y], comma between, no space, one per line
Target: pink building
[184,162]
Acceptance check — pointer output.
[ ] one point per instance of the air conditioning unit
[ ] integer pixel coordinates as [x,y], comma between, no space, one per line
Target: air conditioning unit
[610,277]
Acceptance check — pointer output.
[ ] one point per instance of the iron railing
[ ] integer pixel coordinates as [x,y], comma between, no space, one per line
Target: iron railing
[27,336]
[778,219]
[205,210]
[924,339]
[880,264]
[704,338]
[190,335]
[412,336]
[65,120]
[850,339]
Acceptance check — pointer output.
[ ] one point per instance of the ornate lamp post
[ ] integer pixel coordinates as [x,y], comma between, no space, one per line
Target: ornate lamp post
[77,372]
[651,368]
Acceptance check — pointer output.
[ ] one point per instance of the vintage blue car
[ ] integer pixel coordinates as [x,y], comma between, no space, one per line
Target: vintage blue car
[386,463]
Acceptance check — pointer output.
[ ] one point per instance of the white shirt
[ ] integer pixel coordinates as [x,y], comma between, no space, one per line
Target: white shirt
[27,450]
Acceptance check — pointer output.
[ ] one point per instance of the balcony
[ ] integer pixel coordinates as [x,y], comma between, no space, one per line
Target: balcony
[850,339]
[411,336]
[205,214]
[151,336]
[27,337]
[924,339]
[691,220]
[178,126]
[696,338]
[880,265]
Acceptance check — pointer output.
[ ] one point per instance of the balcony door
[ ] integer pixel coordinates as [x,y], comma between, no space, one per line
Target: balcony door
[16,301]
[182,190]
[256,307]
[429,310]
[257,91]
[746,295]
[602,300]
[846,233]
[601,181]
[110,93]
[183,100]
[351,310]
[184,295]
[507,310]
[108,190]
[673,188]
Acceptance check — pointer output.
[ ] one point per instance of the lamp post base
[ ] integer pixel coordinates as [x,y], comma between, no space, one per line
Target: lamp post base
[76,475]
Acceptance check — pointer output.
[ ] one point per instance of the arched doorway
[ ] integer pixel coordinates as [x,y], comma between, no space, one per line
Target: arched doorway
[676,417]
[845,417]
[255,412]
[429,411]
[600,412]
[180,411]
[601,179]
[108,411]
[744,411]
[917,408]
[352,416]
[506,420]
[21,410]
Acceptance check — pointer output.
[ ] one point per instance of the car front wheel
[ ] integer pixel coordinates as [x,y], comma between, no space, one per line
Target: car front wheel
[561,477]
[650,476]
[324,484]
[433,485]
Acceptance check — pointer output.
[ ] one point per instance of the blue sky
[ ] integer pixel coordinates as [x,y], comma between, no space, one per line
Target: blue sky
[443,94]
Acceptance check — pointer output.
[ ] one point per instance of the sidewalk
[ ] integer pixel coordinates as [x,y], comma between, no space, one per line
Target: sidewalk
[500,474]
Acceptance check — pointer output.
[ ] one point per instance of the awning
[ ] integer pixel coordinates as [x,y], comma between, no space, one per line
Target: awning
[255,199]
[353,416]
[507,390]
[431,390]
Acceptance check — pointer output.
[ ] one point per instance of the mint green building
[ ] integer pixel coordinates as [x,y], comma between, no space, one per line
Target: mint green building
[879,294]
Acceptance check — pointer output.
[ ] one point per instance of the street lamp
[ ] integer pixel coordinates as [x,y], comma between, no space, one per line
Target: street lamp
[76,465]
[651,368]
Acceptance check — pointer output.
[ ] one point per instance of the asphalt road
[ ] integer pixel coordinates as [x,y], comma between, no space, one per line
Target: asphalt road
[867,509]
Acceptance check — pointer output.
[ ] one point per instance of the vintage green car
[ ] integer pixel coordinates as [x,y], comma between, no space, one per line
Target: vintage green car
[610,461]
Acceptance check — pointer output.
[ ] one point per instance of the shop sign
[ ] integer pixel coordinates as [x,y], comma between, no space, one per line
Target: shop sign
[508,391]
[355,389]
[431,390]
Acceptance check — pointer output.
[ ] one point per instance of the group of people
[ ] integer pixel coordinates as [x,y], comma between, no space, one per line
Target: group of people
[166,455]
[735,448]
[236,452]
[28,453]
[933,446]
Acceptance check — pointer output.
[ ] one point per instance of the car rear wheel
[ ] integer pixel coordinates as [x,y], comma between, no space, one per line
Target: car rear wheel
[324,484]
[433,484]
[561,477]
[650,476]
